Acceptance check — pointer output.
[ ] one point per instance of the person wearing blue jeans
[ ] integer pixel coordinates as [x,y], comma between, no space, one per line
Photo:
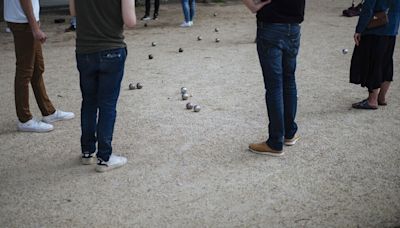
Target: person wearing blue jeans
[278,41]
[100,54]
[189,10]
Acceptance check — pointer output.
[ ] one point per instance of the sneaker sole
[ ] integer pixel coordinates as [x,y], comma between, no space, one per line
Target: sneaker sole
[274,154]
[89,161]
[102,169]
[291,143]
[52,121]
[36,131]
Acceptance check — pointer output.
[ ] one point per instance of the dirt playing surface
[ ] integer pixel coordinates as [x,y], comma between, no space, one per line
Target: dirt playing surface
[189,169]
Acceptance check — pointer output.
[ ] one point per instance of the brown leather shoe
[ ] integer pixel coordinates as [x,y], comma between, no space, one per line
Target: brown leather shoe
[263,148]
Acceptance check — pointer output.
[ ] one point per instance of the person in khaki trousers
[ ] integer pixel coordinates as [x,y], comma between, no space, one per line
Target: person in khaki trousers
[22,17]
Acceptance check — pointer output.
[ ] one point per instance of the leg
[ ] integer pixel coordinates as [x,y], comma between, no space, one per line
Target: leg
[382,93]
[289,85]
[192,9]
[147,3]
[110,77]
[156,8]
[39,89]
[270,57]
[185,8]
[24,52]
[373,97]
[88,78]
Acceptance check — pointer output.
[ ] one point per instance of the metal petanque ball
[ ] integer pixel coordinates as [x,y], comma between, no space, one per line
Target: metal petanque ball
[197,108]
[132,86]
[215,14]
[153,44]
[199,38]
[180,50]
[185,96]
[216,30]
[189,105]
[145,24]
[139,85]
[150,56]
[345,51]
[183,90]
[217,40]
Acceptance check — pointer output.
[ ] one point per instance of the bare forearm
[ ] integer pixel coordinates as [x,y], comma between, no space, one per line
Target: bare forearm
[128,13]
[28,10]
[253,6]
[72,11]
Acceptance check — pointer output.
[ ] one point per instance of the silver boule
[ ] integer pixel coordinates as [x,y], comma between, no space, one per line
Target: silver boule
[139,85]
[153,44]
[183,90]
[216,30]
[185,96]
[199,38]
[197,108]
[345,51]
[132,86]
[217,40]
[189,105]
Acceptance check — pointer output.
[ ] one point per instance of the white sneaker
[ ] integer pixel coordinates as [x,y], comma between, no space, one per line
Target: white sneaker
[57,116]
[191,23]
[185,24]
[35,126]
[113,163]
[88,159]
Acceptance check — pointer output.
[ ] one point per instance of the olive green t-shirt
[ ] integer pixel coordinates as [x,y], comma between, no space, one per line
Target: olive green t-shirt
[99,25]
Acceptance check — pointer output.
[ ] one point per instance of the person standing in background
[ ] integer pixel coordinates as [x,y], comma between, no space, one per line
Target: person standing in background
[146,16]
[72,13]
[22,17]
[189,11]
[100,55]
[278,41]
[372,60]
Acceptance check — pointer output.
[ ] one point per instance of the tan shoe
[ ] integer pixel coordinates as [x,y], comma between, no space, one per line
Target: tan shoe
[292,141]
[263,148]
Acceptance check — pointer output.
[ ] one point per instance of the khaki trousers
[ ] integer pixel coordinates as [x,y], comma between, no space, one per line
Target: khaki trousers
[29,69]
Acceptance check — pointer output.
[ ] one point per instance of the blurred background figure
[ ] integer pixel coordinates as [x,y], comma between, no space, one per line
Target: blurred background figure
[146,16]
[189,10]
[72,13]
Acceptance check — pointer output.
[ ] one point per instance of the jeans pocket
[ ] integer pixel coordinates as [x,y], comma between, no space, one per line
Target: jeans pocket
[113,56]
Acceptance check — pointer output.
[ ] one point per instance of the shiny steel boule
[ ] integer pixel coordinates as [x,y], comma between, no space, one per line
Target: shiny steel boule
[132,86]
[185,96]
[139,85]
[189,105]
[345,51]
[183,90]
[197,108]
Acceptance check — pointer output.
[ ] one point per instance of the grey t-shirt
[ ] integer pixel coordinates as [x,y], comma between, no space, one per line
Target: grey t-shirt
[99,25]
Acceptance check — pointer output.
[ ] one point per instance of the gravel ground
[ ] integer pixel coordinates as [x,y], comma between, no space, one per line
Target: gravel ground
[189,169]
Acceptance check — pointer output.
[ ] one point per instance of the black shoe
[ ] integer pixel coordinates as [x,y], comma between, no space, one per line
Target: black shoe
[145,18]
[155,16]
[71,28]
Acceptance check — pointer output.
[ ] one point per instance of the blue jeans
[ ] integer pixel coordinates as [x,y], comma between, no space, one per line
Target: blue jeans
[277,47]
[100,81]
[189,9]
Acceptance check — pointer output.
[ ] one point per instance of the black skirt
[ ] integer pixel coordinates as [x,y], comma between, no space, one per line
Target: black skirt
[372,61]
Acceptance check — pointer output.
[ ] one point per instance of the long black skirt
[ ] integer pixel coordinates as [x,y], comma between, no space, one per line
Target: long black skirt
[372,61]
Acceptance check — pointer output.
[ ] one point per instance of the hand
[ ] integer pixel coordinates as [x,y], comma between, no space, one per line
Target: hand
[39,35]
[260,5]
[357,38]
